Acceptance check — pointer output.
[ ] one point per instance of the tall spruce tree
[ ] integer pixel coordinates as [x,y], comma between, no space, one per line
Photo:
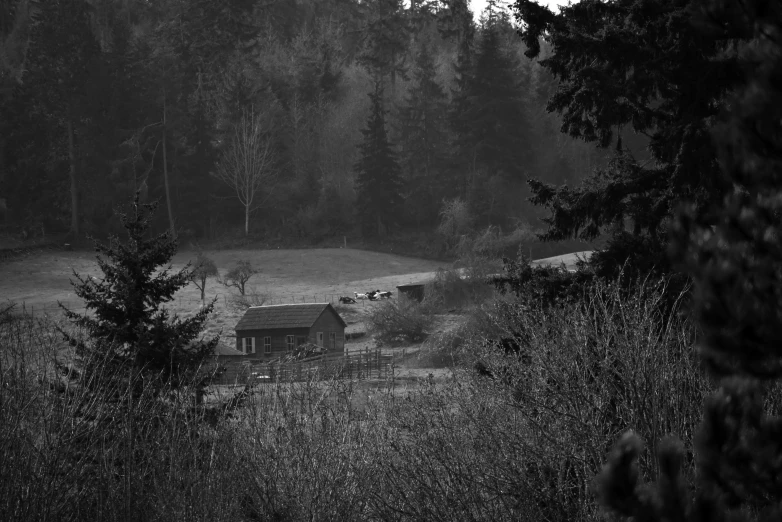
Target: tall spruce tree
[128,326]
[637,66]
[463,148]
[492,142]
[733,253]
[385,40]
[424,138]
[498,122]
[377,173]
[61,62]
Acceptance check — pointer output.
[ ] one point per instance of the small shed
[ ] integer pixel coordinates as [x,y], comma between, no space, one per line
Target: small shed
[266,332]
[412,291]
[229,364]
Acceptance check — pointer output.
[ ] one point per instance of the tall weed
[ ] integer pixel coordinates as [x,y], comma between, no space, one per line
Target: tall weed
[523,445]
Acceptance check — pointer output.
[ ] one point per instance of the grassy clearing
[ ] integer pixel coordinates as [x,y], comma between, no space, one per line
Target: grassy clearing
[289,275]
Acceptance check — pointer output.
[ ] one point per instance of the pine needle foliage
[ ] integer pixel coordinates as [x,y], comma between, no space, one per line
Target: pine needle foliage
[733,256]
[632,66]
[378,173]
[128,324]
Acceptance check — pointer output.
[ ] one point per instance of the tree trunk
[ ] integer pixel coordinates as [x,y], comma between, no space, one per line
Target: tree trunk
[74,185]
[247,220]
[165,173]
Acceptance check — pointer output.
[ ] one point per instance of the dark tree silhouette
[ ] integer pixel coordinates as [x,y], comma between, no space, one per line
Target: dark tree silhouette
[128,326]
[378,173]
[733,253]
[632,66]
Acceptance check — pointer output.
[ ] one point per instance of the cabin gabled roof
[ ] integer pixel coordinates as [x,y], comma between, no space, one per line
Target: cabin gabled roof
[284,316]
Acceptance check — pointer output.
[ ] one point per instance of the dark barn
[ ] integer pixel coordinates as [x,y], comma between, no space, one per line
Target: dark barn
[271,331]
[413,291]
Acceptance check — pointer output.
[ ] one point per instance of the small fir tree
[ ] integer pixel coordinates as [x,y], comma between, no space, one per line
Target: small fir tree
[128,326]
[378,173]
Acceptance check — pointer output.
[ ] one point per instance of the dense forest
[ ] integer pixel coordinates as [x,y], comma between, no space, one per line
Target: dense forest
[283,118]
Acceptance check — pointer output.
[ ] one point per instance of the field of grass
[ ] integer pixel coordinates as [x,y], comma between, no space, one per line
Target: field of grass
[40,280]
[286,275]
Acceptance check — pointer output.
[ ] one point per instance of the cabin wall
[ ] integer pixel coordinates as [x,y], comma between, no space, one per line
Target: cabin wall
[328,322]
[279,346]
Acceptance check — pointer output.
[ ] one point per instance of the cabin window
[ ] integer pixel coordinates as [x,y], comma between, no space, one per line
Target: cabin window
[333,340]
[267,345]
[320,338]
[289,343]
[248,344]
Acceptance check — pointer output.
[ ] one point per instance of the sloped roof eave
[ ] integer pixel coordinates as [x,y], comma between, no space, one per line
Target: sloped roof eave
[277,317]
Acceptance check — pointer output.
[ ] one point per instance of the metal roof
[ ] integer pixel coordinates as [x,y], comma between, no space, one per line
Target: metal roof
[284,316]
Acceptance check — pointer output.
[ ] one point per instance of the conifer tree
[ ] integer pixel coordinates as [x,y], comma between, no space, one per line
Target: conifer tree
[631,66]
[492,143]
[385,40]
[377,173]
[463,148]
[424,139]
[128,325]
[498,122]
[733,253]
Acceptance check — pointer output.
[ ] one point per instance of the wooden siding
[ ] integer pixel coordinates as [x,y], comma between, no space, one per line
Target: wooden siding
[278,340]
[412,291]
[328,322]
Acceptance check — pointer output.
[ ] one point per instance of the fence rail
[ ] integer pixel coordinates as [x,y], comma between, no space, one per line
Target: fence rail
[368,364]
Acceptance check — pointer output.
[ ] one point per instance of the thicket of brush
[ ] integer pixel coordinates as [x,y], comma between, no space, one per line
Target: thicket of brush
[524,445]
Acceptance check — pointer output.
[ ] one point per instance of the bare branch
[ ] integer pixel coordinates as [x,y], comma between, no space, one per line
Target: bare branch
[248,165]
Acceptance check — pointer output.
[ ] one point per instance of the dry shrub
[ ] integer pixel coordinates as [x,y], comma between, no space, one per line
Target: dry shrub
[598,368]
[399,321]
[460,287]
[77,451]
[523,446]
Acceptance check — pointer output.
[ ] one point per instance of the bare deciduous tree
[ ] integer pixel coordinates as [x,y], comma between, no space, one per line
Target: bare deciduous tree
[203,268]
[239,275]
[247,166]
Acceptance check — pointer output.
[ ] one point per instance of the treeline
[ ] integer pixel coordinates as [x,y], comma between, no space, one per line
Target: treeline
[182,98]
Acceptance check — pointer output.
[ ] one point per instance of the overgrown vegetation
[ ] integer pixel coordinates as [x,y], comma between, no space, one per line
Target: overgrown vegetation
[399,321]
[522,446]
[117,423]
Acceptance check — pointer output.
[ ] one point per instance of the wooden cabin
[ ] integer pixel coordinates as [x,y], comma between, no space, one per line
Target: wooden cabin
[268,332]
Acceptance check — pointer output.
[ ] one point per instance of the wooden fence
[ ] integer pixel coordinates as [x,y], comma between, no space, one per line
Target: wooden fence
[369,364]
